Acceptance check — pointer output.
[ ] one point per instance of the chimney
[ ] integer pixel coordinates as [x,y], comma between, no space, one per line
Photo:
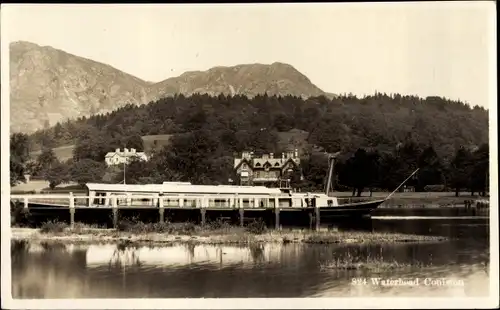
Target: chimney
[296,153]
[132,150]
[117,151]
[125,150]
[271,155]
[283,155]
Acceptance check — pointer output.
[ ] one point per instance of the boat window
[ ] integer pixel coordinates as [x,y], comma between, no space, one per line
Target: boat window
[330,202]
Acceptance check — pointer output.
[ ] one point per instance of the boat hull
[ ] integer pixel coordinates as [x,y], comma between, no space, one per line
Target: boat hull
[351,210]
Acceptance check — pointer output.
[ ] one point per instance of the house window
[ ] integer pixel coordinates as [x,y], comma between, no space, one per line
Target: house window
[257,165]
[277,164]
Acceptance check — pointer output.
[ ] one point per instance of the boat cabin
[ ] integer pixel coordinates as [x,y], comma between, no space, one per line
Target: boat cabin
[187,195]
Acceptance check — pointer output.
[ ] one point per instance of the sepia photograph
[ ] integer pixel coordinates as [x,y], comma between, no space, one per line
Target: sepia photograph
[257,155]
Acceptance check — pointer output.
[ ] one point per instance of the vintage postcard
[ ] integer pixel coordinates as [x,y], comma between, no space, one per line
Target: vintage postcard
[289,156]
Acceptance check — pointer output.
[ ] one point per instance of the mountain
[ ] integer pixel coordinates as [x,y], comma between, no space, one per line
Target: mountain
[250,80]
[48,85]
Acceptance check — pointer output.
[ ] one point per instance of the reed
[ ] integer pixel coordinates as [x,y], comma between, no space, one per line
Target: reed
[217,227]
[369,263]
[212,233]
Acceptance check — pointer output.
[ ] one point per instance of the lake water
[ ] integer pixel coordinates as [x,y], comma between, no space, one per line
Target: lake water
[453,268]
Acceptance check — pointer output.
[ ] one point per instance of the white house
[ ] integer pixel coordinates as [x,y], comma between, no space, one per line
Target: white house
[118,157]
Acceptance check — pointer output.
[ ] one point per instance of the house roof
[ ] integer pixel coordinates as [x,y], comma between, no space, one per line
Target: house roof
[239,161]
[123,154]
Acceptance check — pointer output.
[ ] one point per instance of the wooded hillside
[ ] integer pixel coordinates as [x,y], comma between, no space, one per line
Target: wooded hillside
[381,137]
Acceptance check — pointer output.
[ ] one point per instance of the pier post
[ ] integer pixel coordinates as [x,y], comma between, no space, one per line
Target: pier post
[203,212]
[71,210]
[318,218]
[91,198]
[277,225]
[277,213]
[162,209]
[106,200]
[26,203]
[115,212]
[242,216]
[310,220]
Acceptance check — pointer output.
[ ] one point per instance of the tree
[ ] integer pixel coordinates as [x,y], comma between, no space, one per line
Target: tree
[19,155]
[360,171]
[460,170]
[430,169]
[331,135]
[137,171]
[134,142]
[56,174]
[314,170]
[480,170]
[87,170]
[282,122]
[95,147]
[46,159]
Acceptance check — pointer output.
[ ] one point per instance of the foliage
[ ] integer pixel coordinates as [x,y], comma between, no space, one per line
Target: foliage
[382,139]
[87,170]
[46,159]
[19,155]
[460,170]
[58,173]
[53,227]
[256,227]
[19,215]
[360,171]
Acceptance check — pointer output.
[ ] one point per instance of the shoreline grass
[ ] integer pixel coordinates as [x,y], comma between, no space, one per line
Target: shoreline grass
[167,233]
[370,263]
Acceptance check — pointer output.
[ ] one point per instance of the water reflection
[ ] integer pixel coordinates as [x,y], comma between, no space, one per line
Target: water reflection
[52,270]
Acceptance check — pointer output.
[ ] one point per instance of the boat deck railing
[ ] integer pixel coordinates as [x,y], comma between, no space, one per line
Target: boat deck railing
[152,200]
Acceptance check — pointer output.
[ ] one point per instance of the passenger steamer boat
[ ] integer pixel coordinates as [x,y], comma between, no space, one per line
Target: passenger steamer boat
[221,197]
[183,201]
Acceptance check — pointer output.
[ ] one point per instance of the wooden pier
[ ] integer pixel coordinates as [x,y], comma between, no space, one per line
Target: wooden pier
[154,208]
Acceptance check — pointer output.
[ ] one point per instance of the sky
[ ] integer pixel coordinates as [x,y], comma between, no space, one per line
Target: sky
[426,49]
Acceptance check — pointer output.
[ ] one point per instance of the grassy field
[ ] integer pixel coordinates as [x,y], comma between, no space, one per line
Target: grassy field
[62,153]
[161,140]
[39,186]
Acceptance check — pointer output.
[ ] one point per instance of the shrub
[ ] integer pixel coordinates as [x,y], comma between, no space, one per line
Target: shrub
[256,227]
[19,216]
[219,224]
[183,228]
[53,227]
[124,225]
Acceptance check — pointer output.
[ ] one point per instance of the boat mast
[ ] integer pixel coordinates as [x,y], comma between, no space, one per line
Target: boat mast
[331,164]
